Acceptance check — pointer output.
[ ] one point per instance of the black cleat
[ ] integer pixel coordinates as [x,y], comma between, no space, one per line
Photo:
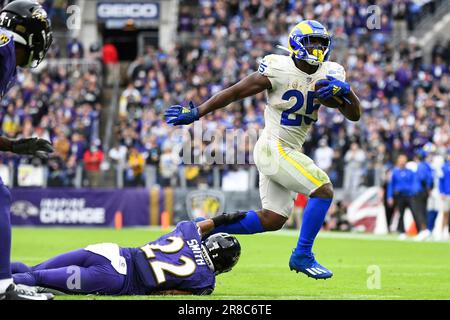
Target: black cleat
[22,292]
[51,291]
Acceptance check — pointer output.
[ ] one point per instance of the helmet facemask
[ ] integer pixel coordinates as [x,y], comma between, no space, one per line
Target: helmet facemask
[313,53]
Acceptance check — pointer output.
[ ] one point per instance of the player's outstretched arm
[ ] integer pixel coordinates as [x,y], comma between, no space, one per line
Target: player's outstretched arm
[5,144]
[28,146]
[249,86]
[206,226]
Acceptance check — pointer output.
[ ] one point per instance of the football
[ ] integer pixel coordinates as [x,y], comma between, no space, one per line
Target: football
[332,102]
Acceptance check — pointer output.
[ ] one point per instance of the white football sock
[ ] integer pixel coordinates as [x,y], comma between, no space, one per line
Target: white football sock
[4,284]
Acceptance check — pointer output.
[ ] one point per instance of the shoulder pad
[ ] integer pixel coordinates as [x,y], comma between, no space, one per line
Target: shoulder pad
[272,61]
[275,59]
[334,69]
[331,65]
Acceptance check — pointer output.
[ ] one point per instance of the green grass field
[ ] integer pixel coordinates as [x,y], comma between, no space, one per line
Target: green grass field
[408,270]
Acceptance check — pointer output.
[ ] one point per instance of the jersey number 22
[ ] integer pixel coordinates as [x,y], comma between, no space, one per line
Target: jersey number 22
[159,267]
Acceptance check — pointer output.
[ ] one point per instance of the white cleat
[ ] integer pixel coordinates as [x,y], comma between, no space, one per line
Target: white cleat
[437,237]
[402,236]
[423,235]
[446,236]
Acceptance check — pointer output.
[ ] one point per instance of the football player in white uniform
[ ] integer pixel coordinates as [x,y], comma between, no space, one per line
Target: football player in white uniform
[291,110]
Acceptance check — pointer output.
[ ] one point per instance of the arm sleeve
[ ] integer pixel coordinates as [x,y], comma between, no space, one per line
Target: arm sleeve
[189,230]
[5,43]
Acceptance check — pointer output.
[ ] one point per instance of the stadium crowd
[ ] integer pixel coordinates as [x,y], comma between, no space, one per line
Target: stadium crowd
[405,100]
[61,104]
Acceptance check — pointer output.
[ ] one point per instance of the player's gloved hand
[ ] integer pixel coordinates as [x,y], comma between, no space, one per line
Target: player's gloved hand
[228,218]
[332,88]
[177,114]
[32,146]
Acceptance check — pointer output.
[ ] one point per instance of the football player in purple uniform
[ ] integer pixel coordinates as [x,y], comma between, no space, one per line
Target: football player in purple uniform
[25,37]
[179,262]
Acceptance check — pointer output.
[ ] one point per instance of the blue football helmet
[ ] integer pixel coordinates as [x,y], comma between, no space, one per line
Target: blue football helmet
[299,42]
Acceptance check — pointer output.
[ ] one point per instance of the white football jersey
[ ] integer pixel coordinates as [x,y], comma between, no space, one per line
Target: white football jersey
[291,107]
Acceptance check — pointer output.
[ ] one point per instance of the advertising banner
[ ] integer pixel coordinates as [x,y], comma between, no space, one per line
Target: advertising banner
[130,206]
[79,207]
[116,15]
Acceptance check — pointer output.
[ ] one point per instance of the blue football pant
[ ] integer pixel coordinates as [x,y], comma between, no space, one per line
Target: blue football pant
[79,271]
[5,232]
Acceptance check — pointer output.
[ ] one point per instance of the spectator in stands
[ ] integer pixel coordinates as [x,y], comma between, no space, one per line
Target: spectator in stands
[399,13]
[75,49]
[11,122]
[131,97]
[110,60]
[354,167]
[323,155]
[78,146]
[336,171]
[62,145]
[152,161]
[168,167]
[118,155]
[135,170]
[57,176]
[58,11]
[337,219]
[71,172]
[92,159]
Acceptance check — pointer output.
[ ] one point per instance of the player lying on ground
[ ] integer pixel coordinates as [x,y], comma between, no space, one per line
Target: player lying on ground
[291,110]
[176,263]
[25,37]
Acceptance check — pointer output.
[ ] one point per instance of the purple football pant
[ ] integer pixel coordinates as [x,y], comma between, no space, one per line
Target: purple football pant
[5,232]
[78,271]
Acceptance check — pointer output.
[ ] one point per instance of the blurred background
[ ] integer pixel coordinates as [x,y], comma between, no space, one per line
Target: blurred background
[115,66]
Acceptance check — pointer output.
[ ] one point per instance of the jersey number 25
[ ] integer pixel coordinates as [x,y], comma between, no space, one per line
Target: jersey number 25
[300,100]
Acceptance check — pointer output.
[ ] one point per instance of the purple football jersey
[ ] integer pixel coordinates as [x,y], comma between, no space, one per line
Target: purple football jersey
[7,61]
[7,64]
[175,261]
